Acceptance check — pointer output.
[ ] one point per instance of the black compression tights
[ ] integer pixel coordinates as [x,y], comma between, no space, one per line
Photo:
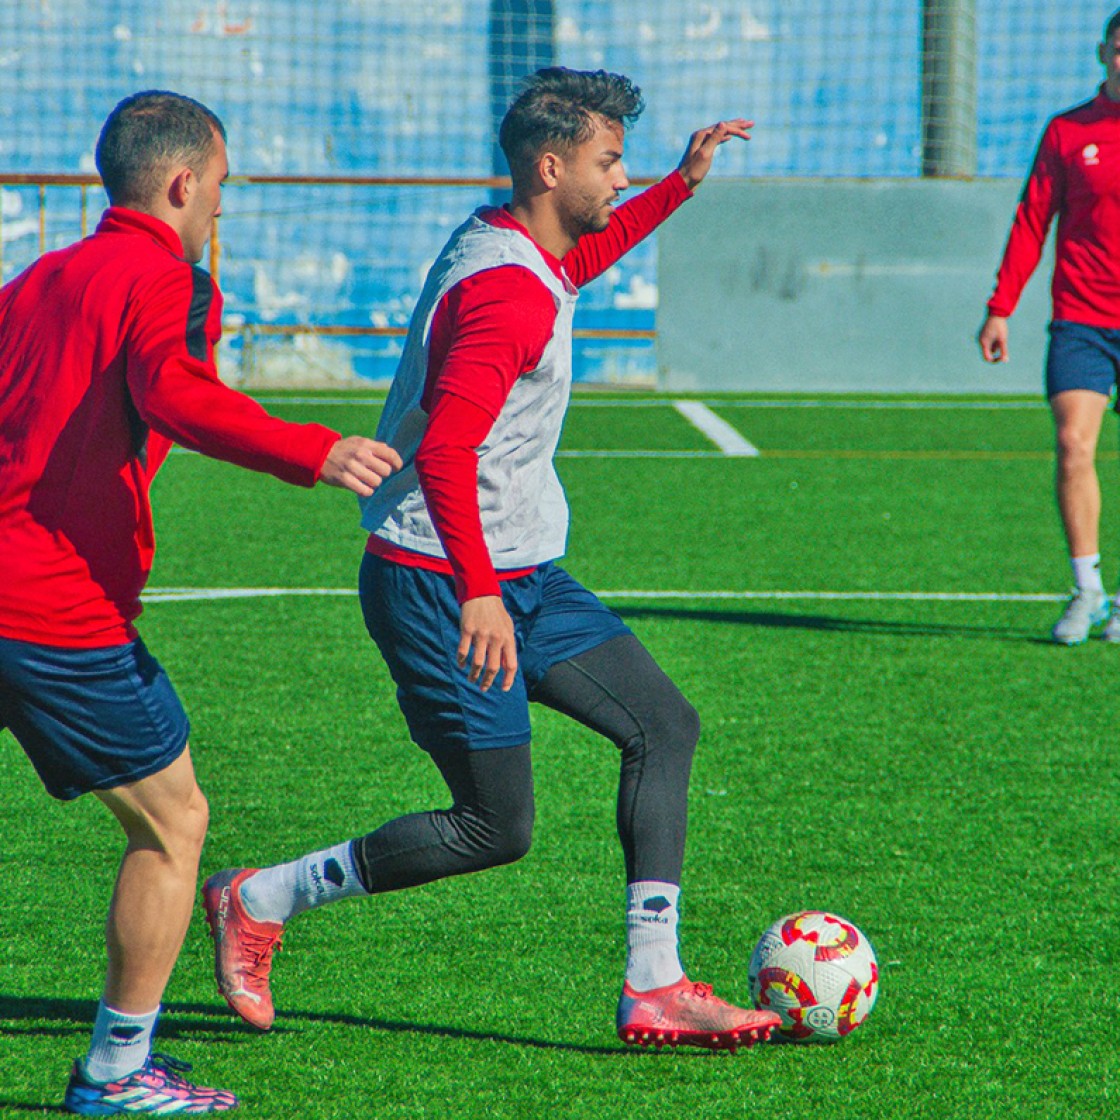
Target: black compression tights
[616,689]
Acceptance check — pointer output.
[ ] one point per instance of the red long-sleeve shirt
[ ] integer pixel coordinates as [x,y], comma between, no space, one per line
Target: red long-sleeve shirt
[106,358]
[1076,175]
[489,330]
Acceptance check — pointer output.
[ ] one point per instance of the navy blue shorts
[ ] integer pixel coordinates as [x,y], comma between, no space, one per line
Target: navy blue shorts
[1082,357]
[90,719]
[413,616]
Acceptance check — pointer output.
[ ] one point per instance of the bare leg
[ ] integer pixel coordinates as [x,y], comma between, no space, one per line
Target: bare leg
[1077,420]
[164,817]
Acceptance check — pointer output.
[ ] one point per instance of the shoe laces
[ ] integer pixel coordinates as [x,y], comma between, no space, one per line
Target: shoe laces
[173,1069]
[702,991]
[258,948]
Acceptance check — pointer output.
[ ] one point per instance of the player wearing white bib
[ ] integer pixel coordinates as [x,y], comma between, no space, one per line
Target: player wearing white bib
[459,585]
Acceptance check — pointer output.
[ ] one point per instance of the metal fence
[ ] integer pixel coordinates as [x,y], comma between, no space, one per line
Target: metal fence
[363,130]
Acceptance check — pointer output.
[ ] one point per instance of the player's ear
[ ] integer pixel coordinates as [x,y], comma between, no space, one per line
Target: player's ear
[181,187]
[549,169]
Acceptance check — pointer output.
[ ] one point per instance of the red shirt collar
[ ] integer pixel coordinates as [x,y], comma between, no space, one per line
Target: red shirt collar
[119,219]
[499,216]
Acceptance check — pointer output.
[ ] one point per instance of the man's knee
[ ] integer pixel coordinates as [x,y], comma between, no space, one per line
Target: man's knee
[503,837]
[178,831]
[516,835]
[1076,449]
[687,724]
[669,727]
[196,819]
[167,817]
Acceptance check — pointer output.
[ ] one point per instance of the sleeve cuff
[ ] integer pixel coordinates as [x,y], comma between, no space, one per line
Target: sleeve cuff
[328,439]
[677,185]
[476,586]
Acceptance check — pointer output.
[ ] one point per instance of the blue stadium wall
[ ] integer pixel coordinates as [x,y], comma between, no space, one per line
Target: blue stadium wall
[384,88]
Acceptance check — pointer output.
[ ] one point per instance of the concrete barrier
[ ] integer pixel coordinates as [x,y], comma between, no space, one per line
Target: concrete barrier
[842,286]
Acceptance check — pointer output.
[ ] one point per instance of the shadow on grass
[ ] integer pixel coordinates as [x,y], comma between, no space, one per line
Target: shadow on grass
[774,621]
[25,1015]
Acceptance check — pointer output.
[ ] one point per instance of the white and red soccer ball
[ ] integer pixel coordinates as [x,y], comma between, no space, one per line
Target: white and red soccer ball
[818,972]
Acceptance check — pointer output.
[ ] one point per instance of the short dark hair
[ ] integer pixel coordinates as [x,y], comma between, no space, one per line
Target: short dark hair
[147,133]
[1111,26]
[560,109]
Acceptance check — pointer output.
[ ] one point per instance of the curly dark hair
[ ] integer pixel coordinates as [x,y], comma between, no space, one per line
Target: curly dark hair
[147,133]
[559,109]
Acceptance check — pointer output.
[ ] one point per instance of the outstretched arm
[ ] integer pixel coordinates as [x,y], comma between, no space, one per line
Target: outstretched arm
[638,217]
[174,385]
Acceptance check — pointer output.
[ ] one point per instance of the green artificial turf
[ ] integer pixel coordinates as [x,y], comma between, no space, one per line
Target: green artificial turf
[933,770]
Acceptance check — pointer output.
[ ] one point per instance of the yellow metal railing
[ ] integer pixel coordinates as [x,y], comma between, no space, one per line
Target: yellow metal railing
[249,331]
[82,182]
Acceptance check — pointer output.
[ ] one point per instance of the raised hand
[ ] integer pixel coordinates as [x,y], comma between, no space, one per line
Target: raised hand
[697,159]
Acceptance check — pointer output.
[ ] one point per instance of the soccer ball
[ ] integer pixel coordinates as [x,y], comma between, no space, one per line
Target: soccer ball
[818,972]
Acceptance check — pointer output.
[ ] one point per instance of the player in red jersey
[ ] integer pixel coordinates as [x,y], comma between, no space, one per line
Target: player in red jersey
[1076,176]
[459,585]
[106,358]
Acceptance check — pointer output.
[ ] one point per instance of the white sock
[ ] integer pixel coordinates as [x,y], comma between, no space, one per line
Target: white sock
[1087,572]
[120,1044]
[281,892]
[652,914]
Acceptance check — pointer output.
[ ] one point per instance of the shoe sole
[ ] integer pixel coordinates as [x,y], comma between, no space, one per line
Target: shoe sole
[731,1041]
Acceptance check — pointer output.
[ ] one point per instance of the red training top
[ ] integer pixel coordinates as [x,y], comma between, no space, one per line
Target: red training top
[106,358]
[1076,175]
[488,330]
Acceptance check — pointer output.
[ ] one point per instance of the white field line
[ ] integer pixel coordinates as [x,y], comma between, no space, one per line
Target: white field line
[729,402]
[589,454]
[730,442]
[899,404]
[185,594]
[586,454]
[837,453]
[719,431]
